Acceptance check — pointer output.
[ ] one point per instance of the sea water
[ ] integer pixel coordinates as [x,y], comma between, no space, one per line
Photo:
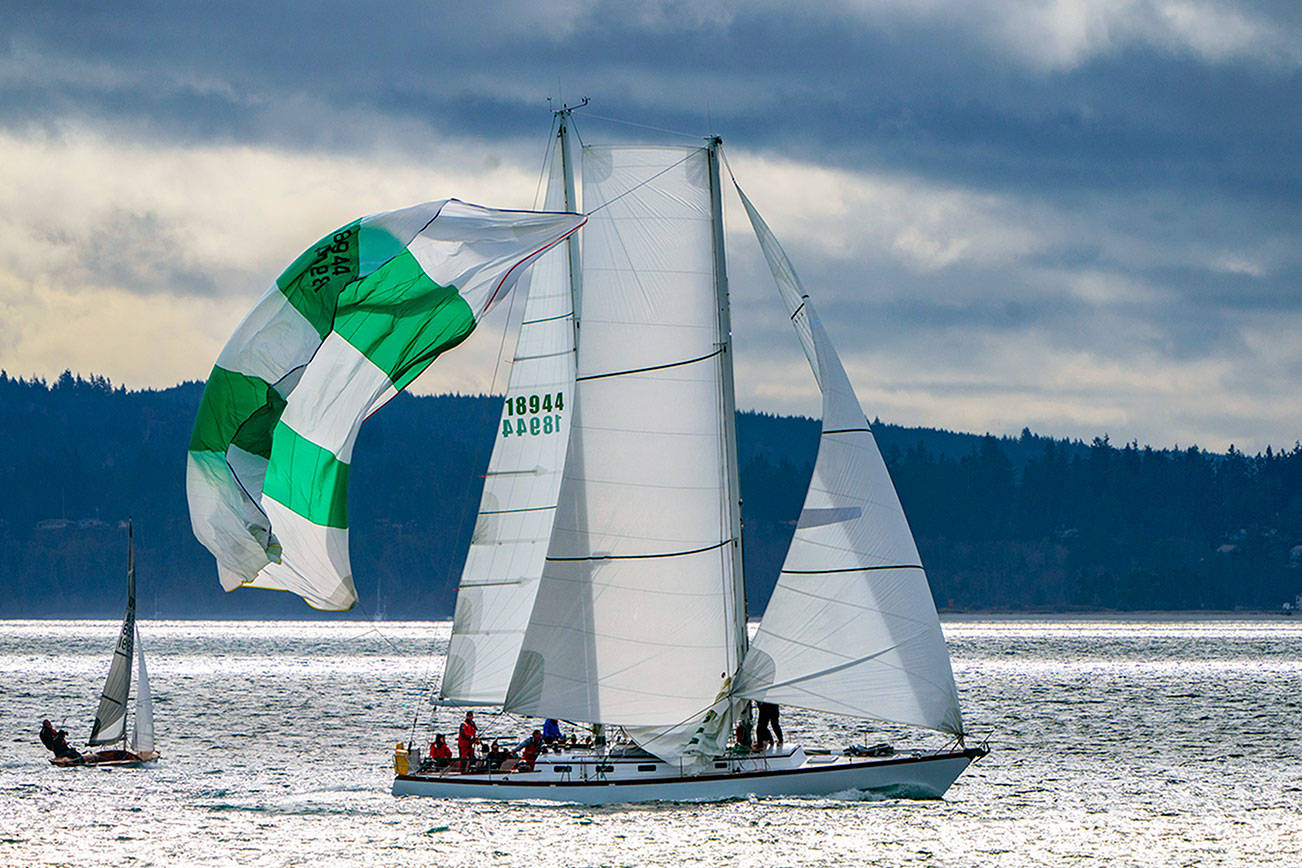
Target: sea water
[1117,741]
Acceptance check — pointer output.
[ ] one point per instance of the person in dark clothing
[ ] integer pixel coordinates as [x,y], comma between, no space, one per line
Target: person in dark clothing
[551,731]
[742,735]
[768,719]
[57,741]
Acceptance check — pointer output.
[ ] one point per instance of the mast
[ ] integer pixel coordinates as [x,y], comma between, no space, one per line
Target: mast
[728,401]
[576,276]
[571,204]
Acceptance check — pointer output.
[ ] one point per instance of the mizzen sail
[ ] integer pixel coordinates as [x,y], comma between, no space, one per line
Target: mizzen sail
[851,627]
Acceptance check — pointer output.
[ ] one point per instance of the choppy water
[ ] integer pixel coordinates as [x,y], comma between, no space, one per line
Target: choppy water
[1132,742]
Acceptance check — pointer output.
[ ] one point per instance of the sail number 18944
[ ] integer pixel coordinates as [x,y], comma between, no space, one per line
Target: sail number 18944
[533,414]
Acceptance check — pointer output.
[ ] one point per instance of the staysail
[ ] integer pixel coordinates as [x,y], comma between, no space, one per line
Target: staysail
[851,627]
[518,503]
[346,327]
[635,617]
[111,717]
[143,738]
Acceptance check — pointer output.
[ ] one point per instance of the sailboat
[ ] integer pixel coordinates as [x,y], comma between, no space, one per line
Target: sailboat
[110,725]
[603,584]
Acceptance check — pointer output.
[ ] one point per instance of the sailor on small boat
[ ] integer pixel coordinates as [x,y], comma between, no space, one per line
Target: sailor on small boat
[57,741]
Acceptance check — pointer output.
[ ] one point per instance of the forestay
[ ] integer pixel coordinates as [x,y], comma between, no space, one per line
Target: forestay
[514,522]
[347,326]
[634,621]
[851,627]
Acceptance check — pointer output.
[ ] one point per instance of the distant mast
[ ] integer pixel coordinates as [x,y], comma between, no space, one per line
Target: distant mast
[111,718]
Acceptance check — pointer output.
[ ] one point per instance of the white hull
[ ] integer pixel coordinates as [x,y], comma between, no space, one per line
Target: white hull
[912,776]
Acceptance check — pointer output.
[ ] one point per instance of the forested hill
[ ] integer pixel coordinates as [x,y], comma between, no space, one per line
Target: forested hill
[1005,523]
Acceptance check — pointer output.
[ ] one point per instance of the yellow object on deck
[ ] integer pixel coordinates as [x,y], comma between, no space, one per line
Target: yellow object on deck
[400,762]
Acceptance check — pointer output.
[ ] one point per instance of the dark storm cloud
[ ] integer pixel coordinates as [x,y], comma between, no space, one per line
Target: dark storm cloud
[1146,154]
[902,91]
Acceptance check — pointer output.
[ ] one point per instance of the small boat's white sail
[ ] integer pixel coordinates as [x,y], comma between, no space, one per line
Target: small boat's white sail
[111,718]
[143,738]
[518,503]
[635,620]
[851,627]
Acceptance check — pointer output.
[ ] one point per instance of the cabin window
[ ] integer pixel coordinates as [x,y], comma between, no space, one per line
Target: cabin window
[605,768]
[562,769]
[720,765]
[646,768]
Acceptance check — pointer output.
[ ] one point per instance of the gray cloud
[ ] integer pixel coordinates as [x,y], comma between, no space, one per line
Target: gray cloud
[1121,182]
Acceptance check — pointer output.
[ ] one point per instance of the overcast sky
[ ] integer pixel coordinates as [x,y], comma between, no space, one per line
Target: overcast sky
[1080,216]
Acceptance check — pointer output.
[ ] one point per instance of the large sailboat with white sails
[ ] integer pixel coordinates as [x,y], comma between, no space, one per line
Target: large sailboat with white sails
[604,584]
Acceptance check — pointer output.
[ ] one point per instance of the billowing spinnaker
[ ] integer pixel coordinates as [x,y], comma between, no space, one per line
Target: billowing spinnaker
[346,327]
[851,627]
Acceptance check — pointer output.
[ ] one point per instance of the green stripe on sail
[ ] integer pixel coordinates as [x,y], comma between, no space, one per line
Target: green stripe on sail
[312,283]
[308,479]
[236,408]
[401,320]
[375,246]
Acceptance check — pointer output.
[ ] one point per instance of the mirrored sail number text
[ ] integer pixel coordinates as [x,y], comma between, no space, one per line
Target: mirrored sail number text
[533,414]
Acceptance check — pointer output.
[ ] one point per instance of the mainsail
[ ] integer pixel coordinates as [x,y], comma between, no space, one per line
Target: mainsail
[636,617]
[518,503]
[111,717]
[346,327]
[851,627]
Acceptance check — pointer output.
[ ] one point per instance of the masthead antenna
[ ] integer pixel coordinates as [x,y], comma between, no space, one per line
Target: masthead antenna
[566,109]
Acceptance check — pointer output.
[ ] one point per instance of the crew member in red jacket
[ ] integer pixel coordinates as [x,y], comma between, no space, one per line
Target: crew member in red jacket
[440,753]
[466,737]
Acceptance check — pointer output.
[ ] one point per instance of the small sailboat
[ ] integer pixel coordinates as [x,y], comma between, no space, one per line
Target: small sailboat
[604,581]
[110,725]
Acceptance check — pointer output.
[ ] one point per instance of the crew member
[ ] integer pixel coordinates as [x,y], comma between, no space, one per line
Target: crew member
[440,753]
[551,731]
[768,718]
[529,750]
[466,737]
[57,741]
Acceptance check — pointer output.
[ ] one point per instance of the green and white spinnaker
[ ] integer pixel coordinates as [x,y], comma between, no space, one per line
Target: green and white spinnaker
[347,326]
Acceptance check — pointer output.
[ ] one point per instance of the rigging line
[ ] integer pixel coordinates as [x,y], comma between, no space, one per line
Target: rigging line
[547,153]
[636,187]
[652,368]
[642,126]
[646,557]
